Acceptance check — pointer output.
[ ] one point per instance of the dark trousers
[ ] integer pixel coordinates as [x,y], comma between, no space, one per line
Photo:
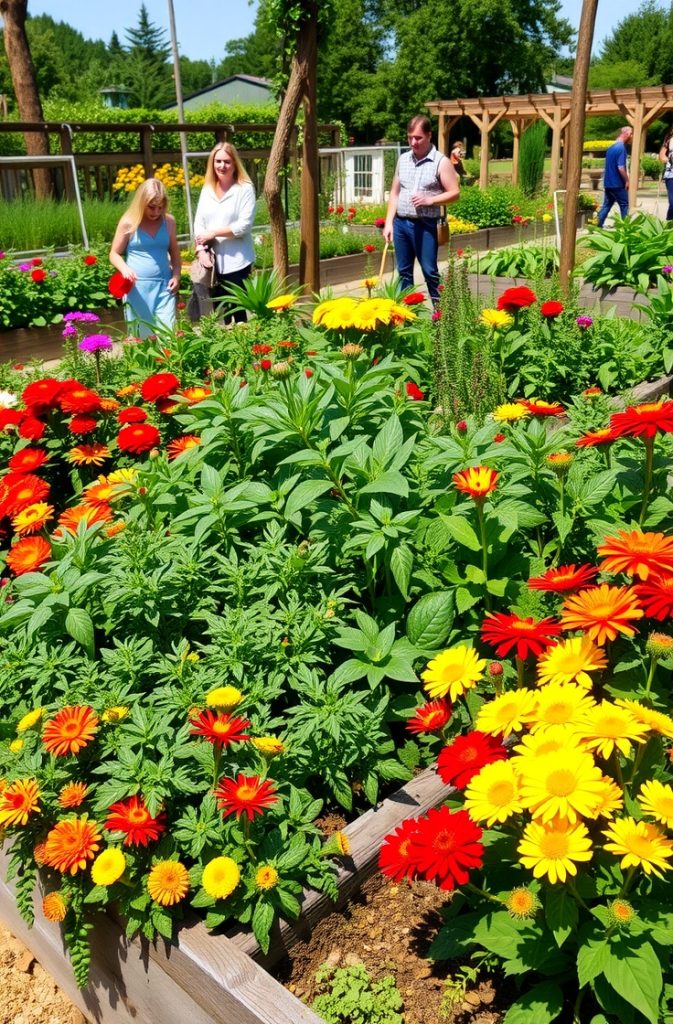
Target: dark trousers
[220,291]
[612,196]
[416,239]
[668,182]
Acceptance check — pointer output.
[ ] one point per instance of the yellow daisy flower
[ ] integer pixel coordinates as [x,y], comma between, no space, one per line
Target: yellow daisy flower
[31,719]
[607,727]
[225,697]
[546,741]
[508,713]
[565,784]
[656,721]
[640,845]
[493,794]
[496,318]
[509,411]
[168,882]
[266,877]
[610,799]
[453,672]
[220,877]
[108,866]
[554,849]
[560,704]
[656,799]
[570,661]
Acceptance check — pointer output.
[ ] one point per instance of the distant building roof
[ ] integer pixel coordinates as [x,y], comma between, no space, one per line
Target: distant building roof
[234,89]
[559,83]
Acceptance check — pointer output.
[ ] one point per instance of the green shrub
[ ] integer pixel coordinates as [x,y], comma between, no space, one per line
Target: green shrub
[631,252]
[489,207]
[531,158]
[651,166]
[353,998]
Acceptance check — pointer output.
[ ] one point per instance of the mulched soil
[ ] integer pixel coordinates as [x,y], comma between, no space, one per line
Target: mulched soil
[28,995]
[389,929]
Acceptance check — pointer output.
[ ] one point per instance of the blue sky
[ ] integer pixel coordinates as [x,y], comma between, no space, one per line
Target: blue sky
[205,26]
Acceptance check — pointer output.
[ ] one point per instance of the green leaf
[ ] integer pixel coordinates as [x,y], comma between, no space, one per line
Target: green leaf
[401,565]
[390,482]
[634,971]
[388,441]
[430,620]
[262,920]
[592,956]
[540,1005]
[463,532]
[304,494]
[561,913]
[79,625]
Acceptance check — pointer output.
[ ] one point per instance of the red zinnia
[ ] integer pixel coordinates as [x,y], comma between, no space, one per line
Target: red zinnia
[132,817]
[138,438]
[413,391]
[551,309]
[28,554]
[82,424]
[656,597]
[369,247]
[42,392]
[539,408]
[513,299]
[38,275]
[27,460]
[133,414]
[23,490]
[507,631]
[563,578]
[36,261]
[10,417]
[159,385]
[245,795]
[644,420]
[266,364]
[77,398]
[119,286]
[430,717]
[32,429]
[219,729]
[394,854]
[414,299]
[477,481]
[446,847]
[458,763]
[90,260]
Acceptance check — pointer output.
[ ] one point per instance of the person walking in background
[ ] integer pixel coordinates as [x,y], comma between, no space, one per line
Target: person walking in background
[456,158]
[223,220]
[616,176]
[424,181]
[666,157]
[145,251]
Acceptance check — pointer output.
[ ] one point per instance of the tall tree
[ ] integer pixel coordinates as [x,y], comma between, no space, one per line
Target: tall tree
[642,37]
[25,86]
[254,54]
[144,66]
[349,54]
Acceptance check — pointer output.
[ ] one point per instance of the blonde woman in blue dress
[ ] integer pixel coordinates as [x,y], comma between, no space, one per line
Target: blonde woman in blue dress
[145,251]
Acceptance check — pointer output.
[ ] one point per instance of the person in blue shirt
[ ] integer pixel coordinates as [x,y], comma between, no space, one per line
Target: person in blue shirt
[616,176]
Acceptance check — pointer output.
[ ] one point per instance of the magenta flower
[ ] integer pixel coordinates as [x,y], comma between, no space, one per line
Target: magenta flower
[95,342]
[584,321]
[68,331]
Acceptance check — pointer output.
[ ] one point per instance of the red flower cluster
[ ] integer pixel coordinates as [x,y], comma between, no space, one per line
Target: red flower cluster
[441,847]
[506,632]
[514,299]
[138,438]
[90,260]
[551,309]
[413,299]
[38,275]
[458,763]
[414,392]
[159,385]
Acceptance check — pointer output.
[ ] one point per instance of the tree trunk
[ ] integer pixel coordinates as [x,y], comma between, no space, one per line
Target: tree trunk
[309,251]
[25,86]
[297,87]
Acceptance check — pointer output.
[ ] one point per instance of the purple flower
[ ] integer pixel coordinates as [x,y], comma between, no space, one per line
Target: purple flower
[668,269]
[86,318]
[2,255]
[584,321]
[95,342]
[25,266]
[68,331]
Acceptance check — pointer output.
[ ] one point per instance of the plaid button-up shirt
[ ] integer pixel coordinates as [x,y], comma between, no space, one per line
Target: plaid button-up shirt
[419,176]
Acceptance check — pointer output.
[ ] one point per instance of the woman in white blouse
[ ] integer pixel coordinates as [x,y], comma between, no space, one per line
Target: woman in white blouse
[224,218]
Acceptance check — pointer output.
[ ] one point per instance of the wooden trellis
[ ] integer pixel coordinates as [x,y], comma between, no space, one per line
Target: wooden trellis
[639,107]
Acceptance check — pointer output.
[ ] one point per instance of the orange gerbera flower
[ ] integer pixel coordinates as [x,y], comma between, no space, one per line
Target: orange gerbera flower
[539,408]
[195,394]
[247,795]
[219,728]
[564,578]
[69,520]
[54,907]
[637,554]
[32,518]
[477,481]
[602,612]
[73,794]
[18,801]
[70,730]
[28,460]
[644,420]
[89,454]
[22,489]
[28,554]
[100,492]
[132,817]
[109,404]
[594,438]
[430,717]
[182,444]
[71,843]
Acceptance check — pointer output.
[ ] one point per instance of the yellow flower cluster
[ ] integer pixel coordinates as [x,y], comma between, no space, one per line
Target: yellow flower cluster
[129,178]
[361,314]
[597,143]
[460,227]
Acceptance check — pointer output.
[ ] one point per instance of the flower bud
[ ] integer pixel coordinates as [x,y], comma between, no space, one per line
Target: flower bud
[154,454]
[659,645]
[495,670]
[560,462]
[281,370]
[351,351]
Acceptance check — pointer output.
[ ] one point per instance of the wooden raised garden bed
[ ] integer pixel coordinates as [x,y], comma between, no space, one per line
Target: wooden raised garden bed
[202,978]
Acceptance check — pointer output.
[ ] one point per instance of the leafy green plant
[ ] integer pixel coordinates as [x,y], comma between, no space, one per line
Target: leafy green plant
[528,261]
[39,291]
[353,998]
[631,252]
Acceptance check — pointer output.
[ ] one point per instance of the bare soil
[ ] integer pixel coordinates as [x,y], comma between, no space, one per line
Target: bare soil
[389,928]
[28,995]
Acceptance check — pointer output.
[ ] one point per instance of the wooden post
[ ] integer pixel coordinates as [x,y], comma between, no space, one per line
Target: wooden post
[575,136]
[517,127]
[557,123]
[309,244]
[146,147]
[65,135]
[636,153]
[485,124]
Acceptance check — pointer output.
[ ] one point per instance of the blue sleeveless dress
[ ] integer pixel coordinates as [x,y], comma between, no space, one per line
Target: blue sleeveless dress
[149,304]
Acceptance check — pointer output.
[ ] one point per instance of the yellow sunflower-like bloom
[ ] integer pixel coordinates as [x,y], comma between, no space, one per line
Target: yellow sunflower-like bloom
[220,877]
[656,721]
[640,845]
[570,661]
[508,412]
[551,740]
[453,672]
[610,799]
[508,713]
[607,727]
[560,704]
[335,313]
[108,867]
[566,784]
[115,714]
[493,794]
[268,746]
[30,720]
[554,849]
[496,318]
[266,877]
[281,302]
[656,799]
[225,697]
[168,882]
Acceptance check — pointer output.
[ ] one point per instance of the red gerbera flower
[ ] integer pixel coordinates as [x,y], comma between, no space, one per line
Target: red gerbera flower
[656,597]
[414,299]
[32,429]
[132,817]
[446,847]
[539,408]
[42,392]
[119,286]
[27,460]
[644,420]
[10,417]
[82,424]
[513,299]
[551,309]
[219,728]
[564,578]
[134,414]
[369,247]
[266,364]
[430,717]
[245,795]
[23,490]
[394,854]
[413,391]
[138,438]
[458,763]
[77,398]
[593,438]
[159,385]
[38,275]
[507,631]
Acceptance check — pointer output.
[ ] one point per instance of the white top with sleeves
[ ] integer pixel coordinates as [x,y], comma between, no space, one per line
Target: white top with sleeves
[235,210]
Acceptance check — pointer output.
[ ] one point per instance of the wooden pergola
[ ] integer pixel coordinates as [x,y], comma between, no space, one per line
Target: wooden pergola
[639,107]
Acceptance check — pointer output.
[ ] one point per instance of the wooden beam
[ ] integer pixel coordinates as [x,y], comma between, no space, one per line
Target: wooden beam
[486,123]
[636,153]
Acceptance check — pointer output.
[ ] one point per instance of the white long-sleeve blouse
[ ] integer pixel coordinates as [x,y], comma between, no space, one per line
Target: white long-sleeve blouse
[235,210]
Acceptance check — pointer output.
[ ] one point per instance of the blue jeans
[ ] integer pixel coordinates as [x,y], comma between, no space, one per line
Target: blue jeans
[668,182]
[416,239]
[612,196]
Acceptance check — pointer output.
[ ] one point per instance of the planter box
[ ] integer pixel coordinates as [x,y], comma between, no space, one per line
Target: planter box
[622,298]
[25,343]
[199,977]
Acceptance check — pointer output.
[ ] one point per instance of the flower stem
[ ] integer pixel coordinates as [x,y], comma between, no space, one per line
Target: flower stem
[217,755]
[484,553]
[519,673]
[647,484]
[650,675]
